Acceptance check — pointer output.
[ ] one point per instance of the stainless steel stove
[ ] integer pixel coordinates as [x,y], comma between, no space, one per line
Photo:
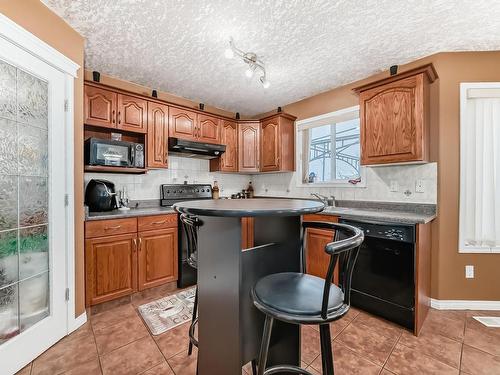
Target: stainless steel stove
[169,195]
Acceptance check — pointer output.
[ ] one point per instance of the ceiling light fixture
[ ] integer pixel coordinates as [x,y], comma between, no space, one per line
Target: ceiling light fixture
[251,59]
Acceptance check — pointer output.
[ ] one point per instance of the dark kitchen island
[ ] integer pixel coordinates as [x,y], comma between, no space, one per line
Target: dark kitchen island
[230,328]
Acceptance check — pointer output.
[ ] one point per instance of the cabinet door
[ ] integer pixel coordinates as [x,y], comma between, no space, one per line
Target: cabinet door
[111,267]
[132,113]
[157,257]
[229,159]
[248,147]
[157,135]
[270,145]
[208,129]
[182,123]
[247,232]
[392,121]
[317,259]
[100,107]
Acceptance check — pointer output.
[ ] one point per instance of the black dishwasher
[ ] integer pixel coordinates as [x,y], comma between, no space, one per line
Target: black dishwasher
[383,280]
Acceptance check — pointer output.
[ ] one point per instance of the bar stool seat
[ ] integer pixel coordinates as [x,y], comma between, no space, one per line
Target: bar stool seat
[296,294]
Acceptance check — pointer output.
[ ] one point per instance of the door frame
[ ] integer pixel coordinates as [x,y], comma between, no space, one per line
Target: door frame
[26,42]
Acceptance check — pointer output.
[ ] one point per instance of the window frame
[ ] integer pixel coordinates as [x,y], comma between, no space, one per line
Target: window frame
[462,248]
[315,121]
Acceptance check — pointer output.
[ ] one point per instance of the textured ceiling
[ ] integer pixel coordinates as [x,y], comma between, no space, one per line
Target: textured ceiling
[307,46]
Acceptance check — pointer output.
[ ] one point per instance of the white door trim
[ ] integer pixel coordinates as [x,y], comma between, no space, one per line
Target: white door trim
[19,36]
[464,305]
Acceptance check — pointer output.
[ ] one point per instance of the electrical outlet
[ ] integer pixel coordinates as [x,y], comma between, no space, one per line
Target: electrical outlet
[394,186]
[419,186]
[469,272]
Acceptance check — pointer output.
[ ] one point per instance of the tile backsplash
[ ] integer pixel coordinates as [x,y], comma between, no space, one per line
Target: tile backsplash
[378,181]
[377,187]
[147,186]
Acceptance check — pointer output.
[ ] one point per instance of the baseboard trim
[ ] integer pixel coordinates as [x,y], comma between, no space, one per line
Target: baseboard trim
[76,323]
[464,305]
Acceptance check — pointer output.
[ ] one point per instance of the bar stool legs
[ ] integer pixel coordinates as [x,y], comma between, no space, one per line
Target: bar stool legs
[326,349]
[194,321]
[264,346]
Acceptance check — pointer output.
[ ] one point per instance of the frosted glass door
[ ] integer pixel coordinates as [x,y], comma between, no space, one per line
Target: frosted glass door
[24,201]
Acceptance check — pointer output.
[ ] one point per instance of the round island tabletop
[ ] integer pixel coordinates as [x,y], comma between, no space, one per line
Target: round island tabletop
[249,207]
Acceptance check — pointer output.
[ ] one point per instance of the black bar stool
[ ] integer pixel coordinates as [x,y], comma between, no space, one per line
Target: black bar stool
[191,225]
[299,298]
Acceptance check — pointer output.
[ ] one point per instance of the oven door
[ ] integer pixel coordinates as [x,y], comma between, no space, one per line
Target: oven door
[117,154]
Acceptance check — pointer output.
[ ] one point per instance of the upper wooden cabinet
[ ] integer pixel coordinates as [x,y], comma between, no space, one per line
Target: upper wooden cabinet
[394,117]
[277,143]
[109,109]
[228,162]
[208,129]
[100,107]
[157,149]
[182,123]
[248,147]
[132,113]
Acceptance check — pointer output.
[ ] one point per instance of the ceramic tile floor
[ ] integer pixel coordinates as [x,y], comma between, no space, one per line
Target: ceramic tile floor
[116,341]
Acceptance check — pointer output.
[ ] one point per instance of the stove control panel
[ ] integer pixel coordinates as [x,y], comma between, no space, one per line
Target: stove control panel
[170,194]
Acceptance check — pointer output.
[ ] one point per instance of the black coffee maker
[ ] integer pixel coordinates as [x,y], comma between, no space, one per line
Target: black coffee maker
[100,196]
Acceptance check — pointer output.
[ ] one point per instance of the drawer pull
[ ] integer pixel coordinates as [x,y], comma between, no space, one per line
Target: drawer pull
[113,228]
[159,222]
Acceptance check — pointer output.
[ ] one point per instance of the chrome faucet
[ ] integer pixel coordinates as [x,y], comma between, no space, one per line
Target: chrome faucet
[325,200]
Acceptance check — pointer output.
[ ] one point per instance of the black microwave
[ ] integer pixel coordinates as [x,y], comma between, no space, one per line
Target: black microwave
[114,153]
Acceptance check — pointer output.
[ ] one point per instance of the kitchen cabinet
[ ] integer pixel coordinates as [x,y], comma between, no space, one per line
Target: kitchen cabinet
[111,267]
[247,232]
[277,143]
[182,123]
[394,118]
[157,140]
[208,129]
[109,109]
[157,257]
[228,162]
[132,114]
[248,147]
[317,259]
[100,107]
[123,256]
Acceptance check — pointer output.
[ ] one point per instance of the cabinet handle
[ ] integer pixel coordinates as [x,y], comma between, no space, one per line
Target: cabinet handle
[135,244]
[119,117]
[140,243]
[159,222]
[113,117]
[113,228]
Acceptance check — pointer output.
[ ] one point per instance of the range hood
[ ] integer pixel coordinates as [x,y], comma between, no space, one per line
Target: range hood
[192,149]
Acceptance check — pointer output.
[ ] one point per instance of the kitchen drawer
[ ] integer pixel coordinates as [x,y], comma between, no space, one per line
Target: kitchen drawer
[319,217]
[157,222]
[102,228]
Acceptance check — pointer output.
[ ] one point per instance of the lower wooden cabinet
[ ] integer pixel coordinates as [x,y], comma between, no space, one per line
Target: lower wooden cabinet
[247,232]
[111,267]
[317,259]
[157,257]
[121,264]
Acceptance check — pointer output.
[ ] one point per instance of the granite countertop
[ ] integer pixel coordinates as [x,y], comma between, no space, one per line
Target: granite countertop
[250,207]
[138,208]
[404,213]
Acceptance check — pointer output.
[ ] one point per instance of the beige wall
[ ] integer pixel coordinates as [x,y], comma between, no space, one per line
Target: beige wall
[448,280]
[46,25]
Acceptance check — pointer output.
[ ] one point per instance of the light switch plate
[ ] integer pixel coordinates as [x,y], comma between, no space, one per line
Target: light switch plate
[469,272]
[394,186]
[419,186]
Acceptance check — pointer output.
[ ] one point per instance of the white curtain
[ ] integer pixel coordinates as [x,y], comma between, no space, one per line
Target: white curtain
[480,174]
